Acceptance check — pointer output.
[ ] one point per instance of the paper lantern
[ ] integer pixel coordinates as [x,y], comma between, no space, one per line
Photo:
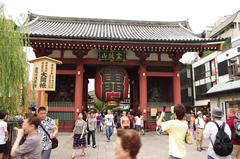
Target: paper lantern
[111,83]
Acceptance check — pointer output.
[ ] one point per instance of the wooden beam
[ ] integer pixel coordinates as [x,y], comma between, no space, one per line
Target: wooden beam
[160,74]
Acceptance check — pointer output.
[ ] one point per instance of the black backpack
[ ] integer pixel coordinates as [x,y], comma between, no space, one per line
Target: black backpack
[222,145]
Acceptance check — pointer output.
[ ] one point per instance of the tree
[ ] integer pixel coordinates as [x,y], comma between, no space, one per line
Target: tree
[13,65]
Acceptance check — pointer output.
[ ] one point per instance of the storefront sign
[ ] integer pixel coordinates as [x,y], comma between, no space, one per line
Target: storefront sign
[111,55]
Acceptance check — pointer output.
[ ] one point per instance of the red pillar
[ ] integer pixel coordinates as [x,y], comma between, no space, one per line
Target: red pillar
[79,90]
[38,99]
[176,86]
[143,90]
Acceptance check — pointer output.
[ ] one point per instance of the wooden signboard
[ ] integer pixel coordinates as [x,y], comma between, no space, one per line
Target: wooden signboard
[44,73]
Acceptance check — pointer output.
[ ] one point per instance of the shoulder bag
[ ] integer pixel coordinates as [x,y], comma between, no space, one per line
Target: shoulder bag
[53,140]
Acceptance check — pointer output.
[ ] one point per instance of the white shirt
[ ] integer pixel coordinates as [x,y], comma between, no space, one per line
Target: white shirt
[177,130]
[200,122]
[138,120]
[109,119]
[210,131]
[3,129]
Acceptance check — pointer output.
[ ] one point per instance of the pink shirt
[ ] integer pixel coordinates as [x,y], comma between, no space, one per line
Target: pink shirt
[230,123]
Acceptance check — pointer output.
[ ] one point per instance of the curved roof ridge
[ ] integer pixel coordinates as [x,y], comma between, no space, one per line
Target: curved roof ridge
[109,21]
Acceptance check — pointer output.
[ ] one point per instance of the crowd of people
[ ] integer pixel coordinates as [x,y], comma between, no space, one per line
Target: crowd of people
[100,122]
[224,136]
[35,139]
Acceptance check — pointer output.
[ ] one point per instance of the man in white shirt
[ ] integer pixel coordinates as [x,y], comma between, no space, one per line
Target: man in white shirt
[199,124]
[3,134]
[109,121]
[211,130]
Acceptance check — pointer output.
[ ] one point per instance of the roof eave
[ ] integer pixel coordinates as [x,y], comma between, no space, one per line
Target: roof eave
[175,41]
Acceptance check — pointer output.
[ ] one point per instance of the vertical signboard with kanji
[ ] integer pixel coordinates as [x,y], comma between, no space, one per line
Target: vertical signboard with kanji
[44,73]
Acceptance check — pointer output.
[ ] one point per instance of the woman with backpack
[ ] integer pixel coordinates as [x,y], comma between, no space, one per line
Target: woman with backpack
[219,134]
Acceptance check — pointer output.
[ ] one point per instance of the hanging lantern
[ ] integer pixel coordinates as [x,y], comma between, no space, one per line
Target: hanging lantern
[111,84]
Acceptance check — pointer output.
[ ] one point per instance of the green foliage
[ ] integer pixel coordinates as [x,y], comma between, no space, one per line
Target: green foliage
[99,105]
[13,65]
[227,44]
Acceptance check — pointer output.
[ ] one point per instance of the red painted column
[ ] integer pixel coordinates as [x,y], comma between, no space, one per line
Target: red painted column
[143,90]
[38,99]
[176,86]
[79,90]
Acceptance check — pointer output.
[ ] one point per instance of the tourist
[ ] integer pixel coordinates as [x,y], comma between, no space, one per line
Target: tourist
[158,129]
[79,136]
[177,131]
[3,134]
[192,126]
[109,122]
[99,120]
[138,123]
[128,144]
[230,121]
[130,116]
[31,147]
[211,130]
[142,124]
[49,125]
[125,122]
[91,124]
[199,124]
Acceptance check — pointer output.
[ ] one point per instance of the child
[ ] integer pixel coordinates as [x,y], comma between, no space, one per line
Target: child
[79,133]
[99,120]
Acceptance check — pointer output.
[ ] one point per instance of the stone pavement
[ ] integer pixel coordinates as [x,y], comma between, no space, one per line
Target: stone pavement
[154,147]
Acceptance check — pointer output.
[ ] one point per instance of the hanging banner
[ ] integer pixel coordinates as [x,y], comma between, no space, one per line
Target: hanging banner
[44,73]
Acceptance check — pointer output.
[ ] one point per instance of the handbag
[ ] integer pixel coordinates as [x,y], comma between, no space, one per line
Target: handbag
[188,138]
[53,140]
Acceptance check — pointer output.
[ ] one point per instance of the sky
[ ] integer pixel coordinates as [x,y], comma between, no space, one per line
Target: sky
[199,13]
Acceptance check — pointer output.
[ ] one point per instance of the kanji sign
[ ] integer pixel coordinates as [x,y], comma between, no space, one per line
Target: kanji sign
[111,55]
[44,73]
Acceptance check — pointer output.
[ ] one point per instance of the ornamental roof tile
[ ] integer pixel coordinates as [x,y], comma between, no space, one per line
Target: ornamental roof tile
[113,30]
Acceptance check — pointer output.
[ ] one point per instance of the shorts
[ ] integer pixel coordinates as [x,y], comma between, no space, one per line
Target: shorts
[199,134]
[3,148]
[138,128]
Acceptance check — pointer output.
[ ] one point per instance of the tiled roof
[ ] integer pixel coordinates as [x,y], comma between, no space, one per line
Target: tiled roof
[115,30]
[221,26]
[223,87]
